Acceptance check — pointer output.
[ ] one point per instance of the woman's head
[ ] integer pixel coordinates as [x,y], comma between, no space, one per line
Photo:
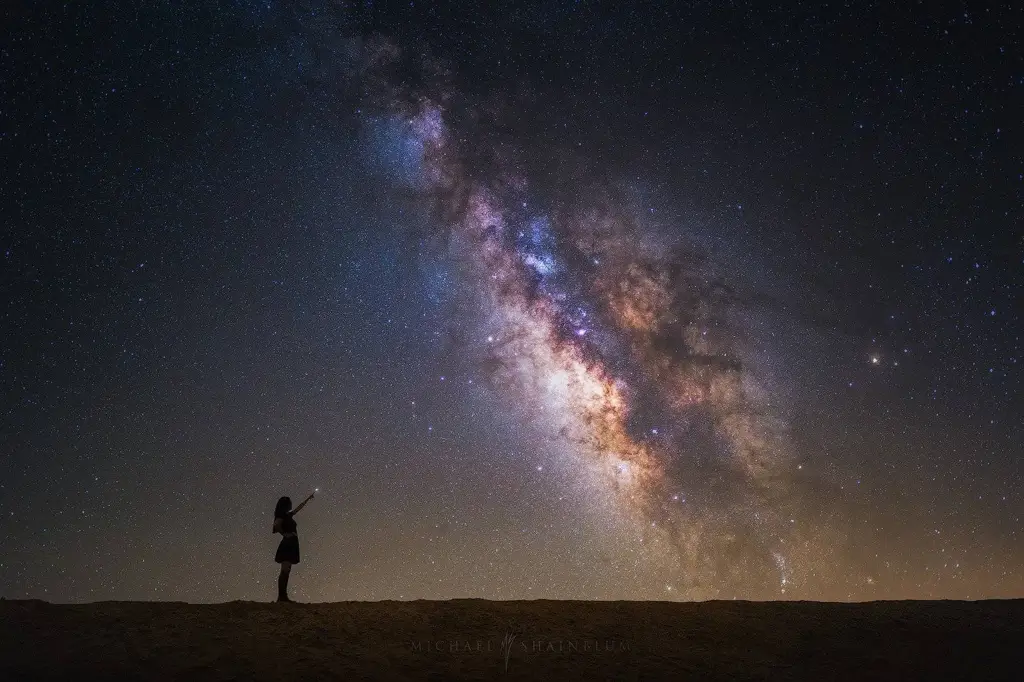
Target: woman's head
[284,505]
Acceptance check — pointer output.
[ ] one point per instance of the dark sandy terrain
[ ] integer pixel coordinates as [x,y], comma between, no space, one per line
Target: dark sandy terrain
[556,640]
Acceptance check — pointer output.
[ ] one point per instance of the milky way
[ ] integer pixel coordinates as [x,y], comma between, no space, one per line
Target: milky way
[629,347]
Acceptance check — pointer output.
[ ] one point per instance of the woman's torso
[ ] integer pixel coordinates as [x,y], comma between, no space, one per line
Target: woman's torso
[288,525]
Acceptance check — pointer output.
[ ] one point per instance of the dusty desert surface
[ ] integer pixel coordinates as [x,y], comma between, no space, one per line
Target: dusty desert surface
[471,639]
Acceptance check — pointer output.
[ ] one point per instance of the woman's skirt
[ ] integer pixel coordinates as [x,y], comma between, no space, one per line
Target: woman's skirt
[288,550]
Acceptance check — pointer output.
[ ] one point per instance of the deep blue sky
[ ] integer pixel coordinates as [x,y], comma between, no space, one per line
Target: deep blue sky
[221,284]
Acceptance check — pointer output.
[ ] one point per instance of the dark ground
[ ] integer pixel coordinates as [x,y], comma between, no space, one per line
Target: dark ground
[559,640]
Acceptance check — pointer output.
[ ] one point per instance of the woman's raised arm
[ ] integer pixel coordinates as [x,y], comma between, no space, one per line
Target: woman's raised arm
[302,504]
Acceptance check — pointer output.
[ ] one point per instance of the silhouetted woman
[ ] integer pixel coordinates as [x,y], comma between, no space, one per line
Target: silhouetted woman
[288,550]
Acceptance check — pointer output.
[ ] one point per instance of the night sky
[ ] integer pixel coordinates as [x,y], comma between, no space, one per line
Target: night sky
[566,300]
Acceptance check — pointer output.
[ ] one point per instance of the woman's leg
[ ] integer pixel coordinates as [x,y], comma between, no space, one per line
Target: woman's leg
[282,581]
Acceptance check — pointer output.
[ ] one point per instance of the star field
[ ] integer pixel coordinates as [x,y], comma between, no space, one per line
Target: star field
[571,300]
